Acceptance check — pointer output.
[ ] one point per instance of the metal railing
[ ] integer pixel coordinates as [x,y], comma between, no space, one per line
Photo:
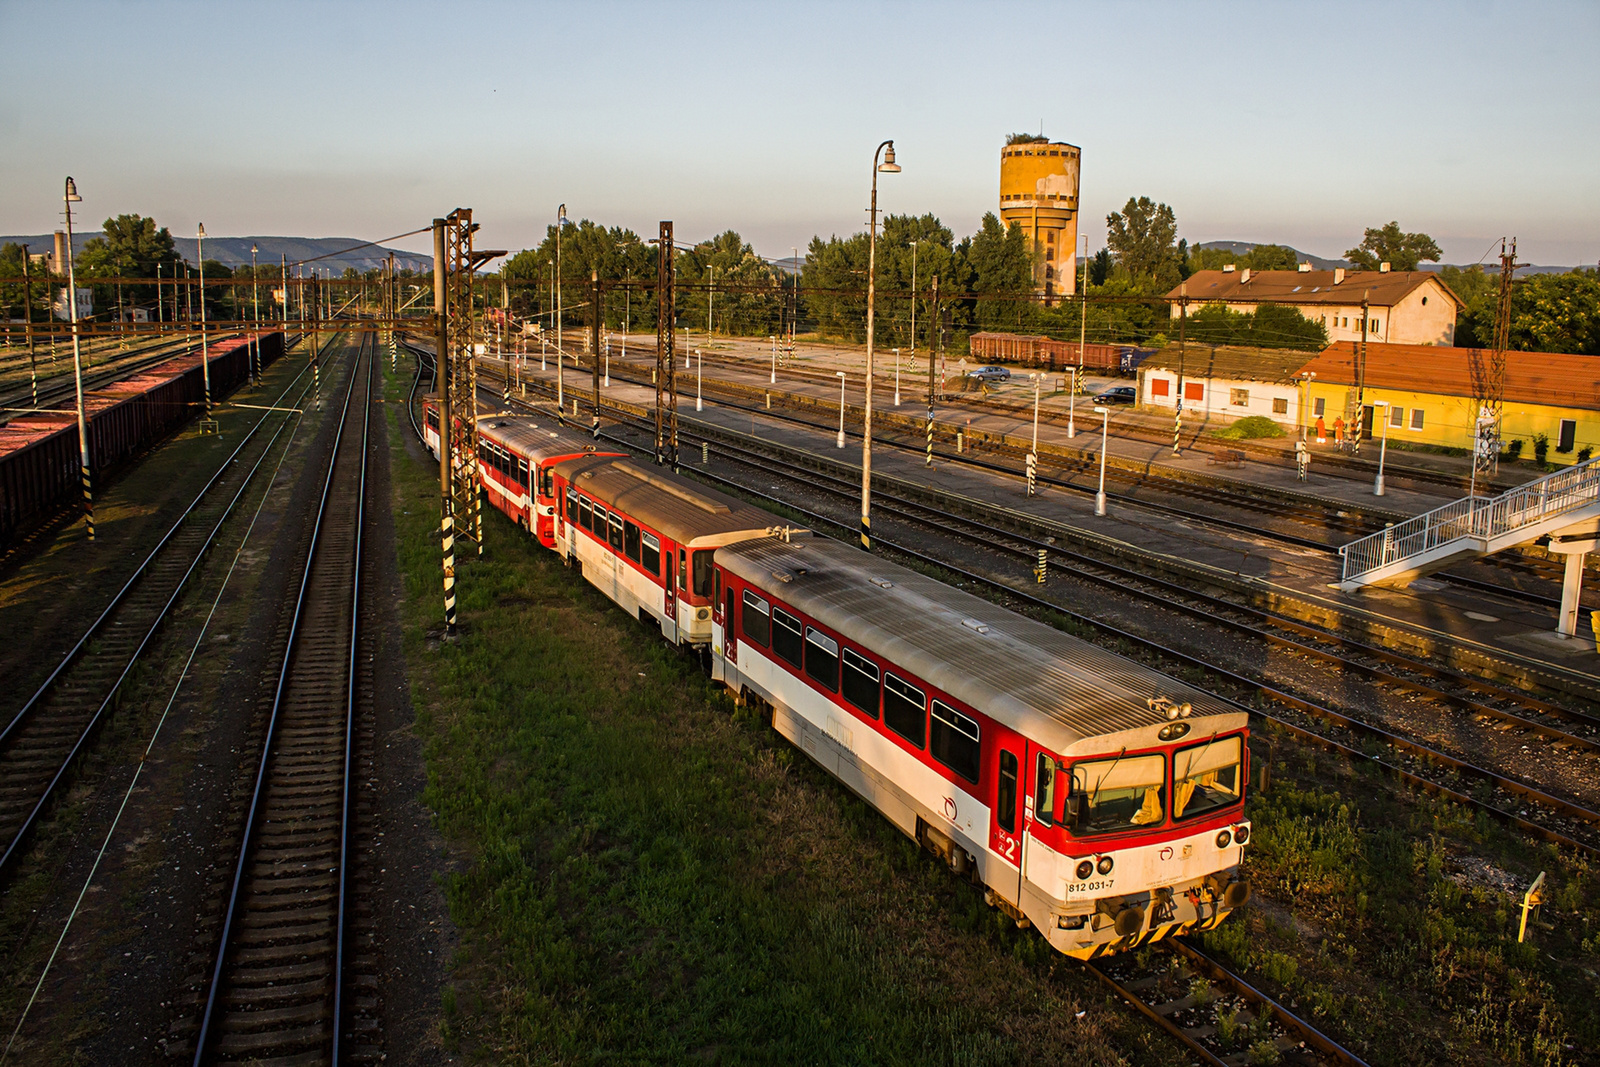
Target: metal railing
[1480,518]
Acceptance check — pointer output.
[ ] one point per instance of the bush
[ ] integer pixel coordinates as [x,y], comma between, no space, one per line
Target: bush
[1252,426]
[1514,449]
[1584,453]
[1541,448]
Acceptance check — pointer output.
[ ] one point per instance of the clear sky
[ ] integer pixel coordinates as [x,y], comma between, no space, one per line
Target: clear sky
[1286,121]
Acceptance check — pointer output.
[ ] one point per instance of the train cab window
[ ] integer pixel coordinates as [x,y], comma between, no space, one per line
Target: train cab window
[650,553]
[861,682]
[630,541]
[585,513]
[716,581]
[1044,791]
[905,709]
[1005,803]
[683,571]
[786,639]
[1122,793]
[953,740]
[701,564]
[755,619]
[616,531]
[822,659]
[1207,777]
[433,420]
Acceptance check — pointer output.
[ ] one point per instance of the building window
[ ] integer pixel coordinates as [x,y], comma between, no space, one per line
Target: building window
[1160,387]
[1194,391]
[1374,325]
[1280,405]
[1567,436]
[1239,398]
[1319,405]
[1416,418]
[1397,415]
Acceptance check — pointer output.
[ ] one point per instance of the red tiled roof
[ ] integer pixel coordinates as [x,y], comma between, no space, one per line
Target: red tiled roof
[1556,379]
[1381,288]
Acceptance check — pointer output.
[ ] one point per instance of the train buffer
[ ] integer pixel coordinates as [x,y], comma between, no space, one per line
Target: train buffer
[1563,507]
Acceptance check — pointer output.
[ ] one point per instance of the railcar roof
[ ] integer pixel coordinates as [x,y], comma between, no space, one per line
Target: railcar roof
[537,437]
[670,503]
[1051,687]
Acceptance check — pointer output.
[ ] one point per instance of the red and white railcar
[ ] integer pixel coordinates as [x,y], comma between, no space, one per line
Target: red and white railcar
[1095,798]
[516,455]
[644,537]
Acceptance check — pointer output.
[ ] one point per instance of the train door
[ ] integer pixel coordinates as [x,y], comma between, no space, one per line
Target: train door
[1039,802]
[724,617]
[1005,817]
[669,552]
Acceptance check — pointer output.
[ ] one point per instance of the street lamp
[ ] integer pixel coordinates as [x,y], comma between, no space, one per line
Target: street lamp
[699,366]
[1072,405]
[1383,447]
[561,222]
[774,379]
[205,351]
[1304,415]
[840,373]
[255,306]
[913,304]
[1105,435]
[897,377]
[70,197]
[888,166]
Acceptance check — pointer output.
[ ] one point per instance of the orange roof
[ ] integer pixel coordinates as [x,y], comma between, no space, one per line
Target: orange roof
[1381,288]
[1556,379]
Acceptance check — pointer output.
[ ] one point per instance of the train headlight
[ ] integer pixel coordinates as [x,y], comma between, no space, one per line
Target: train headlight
[1085,869]
[1224,839]
[1105,865]
[1241,834]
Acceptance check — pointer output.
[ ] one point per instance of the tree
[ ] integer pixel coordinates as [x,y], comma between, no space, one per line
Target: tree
[1269,326]
[1143,237]
[1261,257]
[1002,271]
[130,246]
[1402,251]
[1556,313]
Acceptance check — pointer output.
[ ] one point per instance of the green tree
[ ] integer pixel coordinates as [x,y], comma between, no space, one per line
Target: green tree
[1388,244]
[615,253]
[1002,277]
[1261,257]
[1479,294]
[1556,313]
[130,246]
[724,277]
[1143,238]
[1269,326]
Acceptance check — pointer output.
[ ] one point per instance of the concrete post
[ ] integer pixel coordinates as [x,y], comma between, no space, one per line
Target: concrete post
[1571,587]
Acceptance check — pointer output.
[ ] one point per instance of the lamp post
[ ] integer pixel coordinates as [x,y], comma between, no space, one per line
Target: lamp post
[773,380]
[255,306]
[561,222]
[913,306]
[840,373]
[897,377]
[699,366]
[1033,453]
[1105,437]
[1306,378]
[1072,405]
[888,166]
[70,197]
[205,351]
[1383,446]
[1083,312]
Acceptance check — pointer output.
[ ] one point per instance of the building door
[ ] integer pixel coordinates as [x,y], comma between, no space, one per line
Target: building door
[1567,436]
[1367,414]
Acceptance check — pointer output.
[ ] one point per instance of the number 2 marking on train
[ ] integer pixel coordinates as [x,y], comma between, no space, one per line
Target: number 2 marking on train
[1008,847]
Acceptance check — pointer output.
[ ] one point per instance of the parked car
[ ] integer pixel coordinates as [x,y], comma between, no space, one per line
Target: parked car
[1122,394]
[990,374]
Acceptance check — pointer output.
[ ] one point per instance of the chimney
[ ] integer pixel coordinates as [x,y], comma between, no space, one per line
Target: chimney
[1383,268]
[1227,268]
[1305,268]
[1338,275]
[59,263]
[1245,277]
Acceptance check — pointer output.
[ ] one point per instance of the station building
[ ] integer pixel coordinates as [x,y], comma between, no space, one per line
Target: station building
[1401,307]
[1431,395]
[1039,192]
[1225,382]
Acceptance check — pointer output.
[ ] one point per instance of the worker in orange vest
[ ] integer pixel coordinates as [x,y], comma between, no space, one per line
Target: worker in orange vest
[1322,431]
[1338,432]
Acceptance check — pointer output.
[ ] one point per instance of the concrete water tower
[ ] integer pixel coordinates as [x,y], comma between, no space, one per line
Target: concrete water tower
[1039,192]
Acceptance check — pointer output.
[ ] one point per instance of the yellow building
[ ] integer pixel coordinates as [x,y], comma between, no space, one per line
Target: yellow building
[1429,393]
[1039,192]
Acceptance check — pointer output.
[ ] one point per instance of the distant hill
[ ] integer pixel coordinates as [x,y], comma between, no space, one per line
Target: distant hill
[1239,248]
[235,251]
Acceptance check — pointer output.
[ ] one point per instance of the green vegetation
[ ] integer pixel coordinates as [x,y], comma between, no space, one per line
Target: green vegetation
[648,874]
[1143,237]
[1269,326]
[1261,257]
[1549,312]
[1026,138]
[1251,427]
[1388,244]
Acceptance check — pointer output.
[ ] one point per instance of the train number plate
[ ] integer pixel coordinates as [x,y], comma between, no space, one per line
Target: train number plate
[1097,885]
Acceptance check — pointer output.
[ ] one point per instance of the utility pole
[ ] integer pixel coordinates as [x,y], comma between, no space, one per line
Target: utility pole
[666,358]
[27,313]
[1497,362]
[1183,351]
[1358,418]
[441,341]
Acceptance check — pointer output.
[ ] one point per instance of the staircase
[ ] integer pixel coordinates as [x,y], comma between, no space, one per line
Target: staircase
[1475,526]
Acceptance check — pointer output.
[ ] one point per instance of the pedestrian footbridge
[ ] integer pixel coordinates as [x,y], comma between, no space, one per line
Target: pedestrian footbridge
[1564,506]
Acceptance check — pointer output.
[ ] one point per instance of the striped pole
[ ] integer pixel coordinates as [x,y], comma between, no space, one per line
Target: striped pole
[88,497]
[1033,473]
[1177,431]
[930,436]
[449,531]
[477,500]
[1039,572]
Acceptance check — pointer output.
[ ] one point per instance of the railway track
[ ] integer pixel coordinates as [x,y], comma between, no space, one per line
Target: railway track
[282,987]
[42,740]
[1271,507]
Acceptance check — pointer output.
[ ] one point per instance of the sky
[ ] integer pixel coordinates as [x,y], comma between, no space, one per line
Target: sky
[1301,123]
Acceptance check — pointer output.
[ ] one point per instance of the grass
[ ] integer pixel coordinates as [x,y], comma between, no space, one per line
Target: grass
[649,874]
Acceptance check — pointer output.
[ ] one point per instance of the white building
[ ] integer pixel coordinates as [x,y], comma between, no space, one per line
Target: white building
[1226,383]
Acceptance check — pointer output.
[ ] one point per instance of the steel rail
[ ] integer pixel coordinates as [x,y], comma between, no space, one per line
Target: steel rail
[29,709]
[257,797]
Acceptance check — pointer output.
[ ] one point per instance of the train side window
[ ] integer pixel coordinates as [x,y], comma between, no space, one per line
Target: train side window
[822,659]
[599,527]
[1044,791]
[573,506]
[905,709]
[650,553]
[953,740]
[786,638]
[522,472]
[1006,793]
[630,541]
[702,571]
[861,682]
[683,571]
[716,582]
[616,531]
[755,619]
[585,513]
